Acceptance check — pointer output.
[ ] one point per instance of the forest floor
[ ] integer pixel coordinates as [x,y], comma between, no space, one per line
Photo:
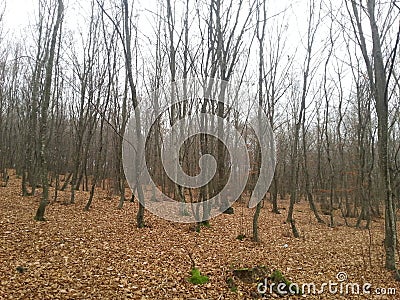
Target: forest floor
[101,254]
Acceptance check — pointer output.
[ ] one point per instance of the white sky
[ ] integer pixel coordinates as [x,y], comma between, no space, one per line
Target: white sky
[21,13]
[17,14]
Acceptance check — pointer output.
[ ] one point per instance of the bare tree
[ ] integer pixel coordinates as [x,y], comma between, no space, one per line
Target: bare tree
[378,79]
[44,108]
[129,71]
[261,18]
[313,22]
[83,129]
[276,85]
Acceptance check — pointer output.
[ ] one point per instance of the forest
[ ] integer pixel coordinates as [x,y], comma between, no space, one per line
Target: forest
[193,149]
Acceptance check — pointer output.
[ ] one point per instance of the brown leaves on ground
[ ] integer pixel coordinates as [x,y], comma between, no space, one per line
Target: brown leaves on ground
[101,254]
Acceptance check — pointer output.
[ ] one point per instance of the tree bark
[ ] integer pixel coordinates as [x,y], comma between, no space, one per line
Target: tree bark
[44,115]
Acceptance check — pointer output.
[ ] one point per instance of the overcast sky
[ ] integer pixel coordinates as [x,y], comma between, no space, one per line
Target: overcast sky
[21,13]
[17,13]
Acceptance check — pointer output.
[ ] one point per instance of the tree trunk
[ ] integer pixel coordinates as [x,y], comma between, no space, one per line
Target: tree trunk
[381,99]
[44,116]
[274,195]
[128,63]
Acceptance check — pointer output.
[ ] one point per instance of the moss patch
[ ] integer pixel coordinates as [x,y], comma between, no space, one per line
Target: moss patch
[197,278]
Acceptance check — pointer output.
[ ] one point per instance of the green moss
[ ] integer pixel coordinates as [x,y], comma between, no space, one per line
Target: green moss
[241,237]
[278,277]
[231,284]
[197,278]
[206,224]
